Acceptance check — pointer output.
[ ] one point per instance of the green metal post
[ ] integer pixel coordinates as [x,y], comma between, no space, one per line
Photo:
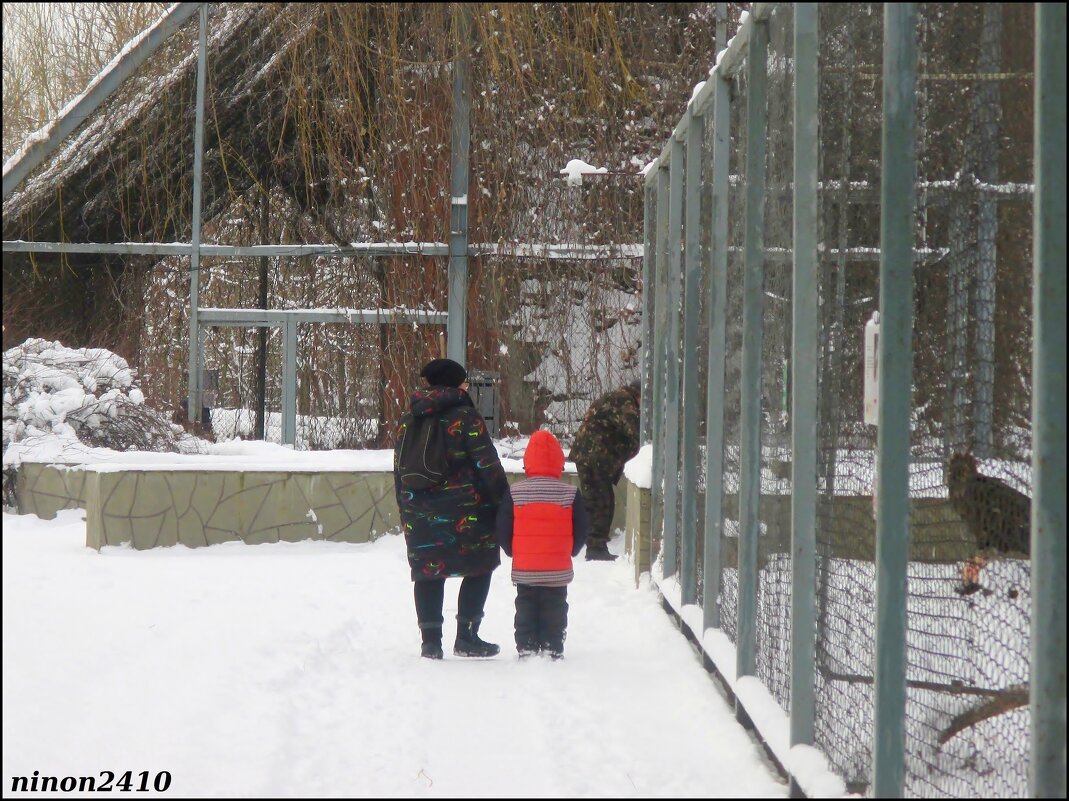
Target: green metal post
[649,250]
[714,411]
[289,382]
[804,386]
[460,146]
[660,326]
[752,329]
[692,253]
[1047,768]
[195,351]
[897,199]
[671,395]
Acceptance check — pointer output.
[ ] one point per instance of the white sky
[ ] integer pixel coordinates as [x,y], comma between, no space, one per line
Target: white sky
[292,670]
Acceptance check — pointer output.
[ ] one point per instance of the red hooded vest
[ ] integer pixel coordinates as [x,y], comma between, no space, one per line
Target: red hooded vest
[542,527]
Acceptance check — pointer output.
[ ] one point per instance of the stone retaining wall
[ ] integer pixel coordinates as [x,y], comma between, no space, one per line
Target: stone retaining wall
[149,508]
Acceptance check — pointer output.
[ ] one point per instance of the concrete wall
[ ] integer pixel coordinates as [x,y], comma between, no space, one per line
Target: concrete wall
[195,508]
[44,489]
[151,508]
[637,526]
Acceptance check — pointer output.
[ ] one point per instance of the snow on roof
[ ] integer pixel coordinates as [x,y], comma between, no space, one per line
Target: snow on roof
[45,130]
[144,90]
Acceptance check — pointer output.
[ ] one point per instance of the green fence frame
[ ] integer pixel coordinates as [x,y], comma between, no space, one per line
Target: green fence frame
[674,272]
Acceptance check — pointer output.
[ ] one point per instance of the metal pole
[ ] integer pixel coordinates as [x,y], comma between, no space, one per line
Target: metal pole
[659,327]
[194,273]
[804,387]
[671,412]
[897,198]
[721,26]
[649,255]
[692,253]
[752,329]
[714,410]
[986,136]
[289,382]
[457,344]
[261,333]
[1047,767]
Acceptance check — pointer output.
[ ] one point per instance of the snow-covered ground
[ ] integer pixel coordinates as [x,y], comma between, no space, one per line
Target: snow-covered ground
[292,669]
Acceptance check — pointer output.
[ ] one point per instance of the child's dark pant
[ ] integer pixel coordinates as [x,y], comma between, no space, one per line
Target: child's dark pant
[541,618]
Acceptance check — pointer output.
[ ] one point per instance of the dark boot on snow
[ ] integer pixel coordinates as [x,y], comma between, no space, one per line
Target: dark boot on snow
[468,642]
[599,553]
[432,641]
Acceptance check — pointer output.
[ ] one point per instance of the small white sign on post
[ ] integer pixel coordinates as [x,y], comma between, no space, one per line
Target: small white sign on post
[872,368]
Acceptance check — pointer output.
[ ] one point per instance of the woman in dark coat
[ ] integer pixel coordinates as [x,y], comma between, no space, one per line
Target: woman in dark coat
[449,529]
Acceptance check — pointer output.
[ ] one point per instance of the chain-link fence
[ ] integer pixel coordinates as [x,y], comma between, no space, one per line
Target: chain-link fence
[969,583]
[351,378]
[851,46]
[968,578]
[557,317]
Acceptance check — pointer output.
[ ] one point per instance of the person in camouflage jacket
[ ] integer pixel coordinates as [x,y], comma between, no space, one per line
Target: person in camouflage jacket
[449,529]
[606,440]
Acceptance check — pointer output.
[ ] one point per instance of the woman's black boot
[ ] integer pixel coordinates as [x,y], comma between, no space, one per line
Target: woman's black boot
[468,642]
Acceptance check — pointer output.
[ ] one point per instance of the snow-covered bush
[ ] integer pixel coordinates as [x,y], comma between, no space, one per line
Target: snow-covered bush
[84,396]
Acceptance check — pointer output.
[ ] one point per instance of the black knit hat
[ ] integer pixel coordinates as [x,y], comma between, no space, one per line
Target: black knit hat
[444,373]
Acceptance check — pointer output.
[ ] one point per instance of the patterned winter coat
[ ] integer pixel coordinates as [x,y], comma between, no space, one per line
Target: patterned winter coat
[449,530]
[608,435]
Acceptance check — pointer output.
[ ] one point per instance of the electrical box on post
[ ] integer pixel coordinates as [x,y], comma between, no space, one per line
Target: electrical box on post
[872,369]
[482,387]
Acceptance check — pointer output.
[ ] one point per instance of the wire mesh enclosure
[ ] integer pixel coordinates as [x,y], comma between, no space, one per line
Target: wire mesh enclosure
[350,376]
[774,556]
[732,401]
[968,581]
[851,47]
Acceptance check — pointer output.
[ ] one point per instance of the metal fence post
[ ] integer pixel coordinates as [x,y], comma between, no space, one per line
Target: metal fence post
[671,395]
[752,323]
[457,336]
[692,253]
[714,410]
[897,199]
[195,355]
[804,385]
[986,100]
[289,382]
[659,344]
[1047,768]
[649,253]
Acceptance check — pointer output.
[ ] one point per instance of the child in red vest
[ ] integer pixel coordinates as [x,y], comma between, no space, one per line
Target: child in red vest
[542,524]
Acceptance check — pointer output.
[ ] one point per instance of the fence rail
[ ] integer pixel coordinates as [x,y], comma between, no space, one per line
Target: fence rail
[843,455]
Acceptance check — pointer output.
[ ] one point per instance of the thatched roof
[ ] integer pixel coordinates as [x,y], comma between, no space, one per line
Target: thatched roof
[116,176]
[125,174]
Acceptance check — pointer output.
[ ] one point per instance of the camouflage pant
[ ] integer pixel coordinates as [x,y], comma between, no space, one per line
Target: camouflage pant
[600,501]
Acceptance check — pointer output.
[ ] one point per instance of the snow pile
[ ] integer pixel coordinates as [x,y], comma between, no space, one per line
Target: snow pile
[575,168]
[639,470]
[80,397]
